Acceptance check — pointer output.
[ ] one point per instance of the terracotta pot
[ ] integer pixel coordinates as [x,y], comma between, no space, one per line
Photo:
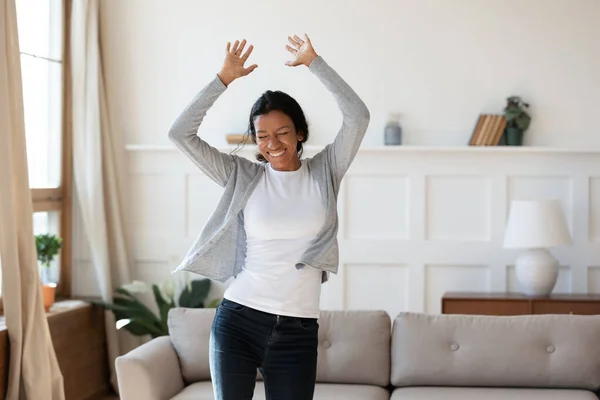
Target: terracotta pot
[48,294]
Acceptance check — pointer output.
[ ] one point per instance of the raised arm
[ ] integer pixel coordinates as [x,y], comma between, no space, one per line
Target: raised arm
[183,133]
[355,113]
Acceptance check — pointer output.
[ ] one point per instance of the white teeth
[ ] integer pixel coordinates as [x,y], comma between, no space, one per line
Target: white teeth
[276,154]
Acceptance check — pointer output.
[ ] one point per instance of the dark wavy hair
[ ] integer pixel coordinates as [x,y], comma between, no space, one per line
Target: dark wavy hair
[279,101]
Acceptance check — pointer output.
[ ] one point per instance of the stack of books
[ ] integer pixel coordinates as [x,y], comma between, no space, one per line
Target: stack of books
[488,130]
[238,138]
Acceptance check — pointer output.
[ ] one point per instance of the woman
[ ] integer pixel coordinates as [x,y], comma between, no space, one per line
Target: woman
[274,230]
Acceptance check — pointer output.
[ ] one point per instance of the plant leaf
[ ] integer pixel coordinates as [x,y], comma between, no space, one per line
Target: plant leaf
[163,306]
[47,247]
[125,292]
[134,305]
[139,327]
[130,308]
[195,297]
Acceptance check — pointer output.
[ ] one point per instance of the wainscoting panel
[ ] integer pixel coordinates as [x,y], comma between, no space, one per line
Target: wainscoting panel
[414,221]
[444,278]
[458,208]
[384,287]
[377,207]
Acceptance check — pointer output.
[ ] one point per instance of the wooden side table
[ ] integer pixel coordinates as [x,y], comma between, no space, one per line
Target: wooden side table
[481,303]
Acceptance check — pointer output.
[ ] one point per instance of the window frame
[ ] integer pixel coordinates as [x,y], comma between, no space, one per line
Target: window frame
[60,198]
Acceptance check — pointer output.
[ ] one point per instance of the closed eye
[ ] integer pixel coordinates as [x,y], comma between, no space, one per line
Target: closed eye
[278,134]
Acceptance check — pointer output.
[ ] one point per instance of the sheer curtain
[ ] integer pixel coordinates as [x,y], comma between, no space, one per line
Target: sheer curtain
[33,370]
[95,165]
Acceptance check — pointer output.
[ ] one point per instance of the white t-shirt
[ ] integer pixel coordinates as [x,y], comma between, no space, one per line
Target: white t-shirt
[282,216]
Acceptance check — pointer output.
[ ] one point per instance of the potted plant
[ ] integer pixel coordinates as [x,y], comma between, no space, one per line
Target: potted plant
[134,316]
[517,121]
[47,246]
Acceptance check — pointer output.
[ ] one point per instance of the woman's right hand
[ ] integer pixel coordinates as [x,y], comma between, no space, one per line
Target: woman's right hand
[233,66]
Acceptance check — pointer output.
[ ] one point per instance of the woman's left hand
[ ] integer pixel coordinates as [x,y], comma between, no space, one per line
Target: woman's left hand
[302,50]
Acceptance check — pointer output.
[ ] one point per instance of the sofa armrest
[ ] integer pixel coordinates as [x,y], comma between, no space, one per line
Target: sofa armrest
[150,371]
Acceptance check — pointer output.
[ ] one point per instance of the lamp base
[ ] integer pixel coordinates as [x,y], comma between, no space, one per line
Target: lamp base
[537,272]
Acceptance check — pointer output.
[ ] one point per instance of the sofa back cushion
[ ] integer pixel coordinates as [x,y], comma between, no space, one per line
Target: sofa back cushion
[354,347]
[189,329]
[554,351]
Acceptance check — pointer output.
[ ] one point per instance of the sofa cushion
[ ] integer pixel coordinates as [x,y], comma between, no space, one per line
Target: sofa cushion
[196,391]
[551,351]
[446,393]
[354,347]
[323,391]
[189,329]
[331,391]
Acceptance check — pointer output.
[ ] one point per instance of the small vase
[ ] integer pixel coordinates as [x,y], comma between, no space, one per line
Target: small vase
[48,294]
[48,288]
[393,131]
[513,137]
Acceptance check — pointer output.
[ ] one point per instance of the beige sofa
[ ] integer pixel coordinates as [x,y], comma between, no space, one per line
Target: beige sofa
[421,357]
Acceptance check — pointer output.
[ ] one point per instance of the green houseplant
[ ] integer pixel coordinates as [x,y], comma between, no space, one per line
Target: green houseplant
[517,121]
[47,247]
[134,316]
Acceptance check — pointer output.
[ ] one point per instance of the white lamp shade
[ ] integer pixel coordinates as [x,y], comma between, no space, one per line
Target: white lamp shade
[536,224]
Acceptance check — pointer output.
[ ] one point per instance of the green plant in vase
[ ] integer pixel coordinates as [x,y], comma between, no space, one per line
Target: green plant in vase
[517,121]
[47,247]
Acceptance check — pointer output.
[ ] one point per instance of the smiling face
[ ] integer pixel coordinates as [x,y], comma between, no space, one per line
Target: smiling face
[277,140]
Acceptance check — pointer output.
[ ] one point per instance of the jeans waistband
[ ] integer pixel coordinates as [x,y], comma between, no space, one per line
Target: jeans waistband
[256,312]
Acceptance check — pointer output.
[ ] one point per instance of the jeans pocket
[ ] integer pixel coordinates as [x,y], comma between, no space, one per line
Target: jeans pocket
[232,305]
[308,324]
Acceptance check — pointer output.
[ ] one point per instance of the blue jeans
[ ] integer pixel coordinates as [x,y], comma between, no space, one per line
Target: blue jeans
[284,349]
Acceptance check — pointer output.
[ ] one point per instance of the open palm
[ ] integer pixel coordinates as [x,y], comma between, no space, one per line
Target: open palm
[302,50]
[233,66]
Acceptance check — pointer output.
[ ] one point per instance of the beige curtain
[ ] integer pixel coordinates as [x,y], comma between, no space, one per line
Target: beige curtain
[33,369]
[95,166]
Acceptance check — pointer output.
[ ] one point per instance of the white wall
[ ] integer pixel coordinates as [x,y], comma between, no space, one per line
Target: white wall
[414,221]
[438,62]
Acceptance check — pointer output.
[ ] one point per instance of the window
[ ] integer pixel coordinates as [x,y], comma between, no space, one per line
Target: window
[40,40]
[43,34]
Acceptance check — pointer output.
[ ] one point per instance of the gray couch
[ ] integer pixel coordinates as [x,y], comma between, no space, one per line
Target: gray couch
[421,357]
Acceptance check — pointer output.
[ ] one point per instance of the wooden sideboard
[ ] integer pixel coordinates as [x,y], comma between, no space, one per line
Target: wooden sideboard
[78,335]
[480,303]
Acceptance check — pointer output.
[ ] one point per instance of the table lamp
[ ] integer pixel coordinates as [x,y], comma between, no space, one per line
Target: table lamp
[536,225]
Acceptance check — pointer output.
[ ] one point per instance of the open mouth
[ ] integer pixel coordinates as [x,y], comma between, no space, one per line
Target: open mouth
[276,153]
